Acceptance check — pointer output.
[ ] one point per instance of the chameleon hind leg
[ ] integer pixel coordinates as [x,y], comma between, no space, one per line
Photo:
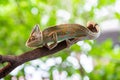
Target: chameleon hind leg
[54,44]
[70,42]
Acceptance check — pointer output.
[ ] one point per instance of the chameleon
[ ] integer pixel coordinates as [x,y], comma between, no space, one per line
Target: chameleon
[57,33]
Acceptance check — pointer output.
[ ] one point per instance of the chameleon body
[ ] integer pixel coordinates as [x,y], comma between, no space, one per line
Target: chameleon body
[61,32]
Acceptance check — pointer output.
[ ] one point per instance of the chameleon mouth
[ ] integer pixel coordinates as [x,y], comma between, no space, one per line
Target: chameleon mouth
[33,43]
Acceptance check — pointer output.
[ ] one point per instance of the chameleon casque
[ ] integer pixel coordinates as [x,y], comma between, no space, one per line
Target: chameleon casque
[62,32]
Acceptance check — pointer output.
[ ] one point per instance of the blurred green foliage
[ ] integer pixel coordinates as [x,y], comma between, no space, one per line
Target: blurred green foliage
[17,18]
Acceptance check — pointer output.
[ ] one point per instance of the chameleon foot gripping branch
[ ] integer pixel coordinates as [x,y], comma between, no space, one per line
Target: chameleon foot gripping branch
[65,32]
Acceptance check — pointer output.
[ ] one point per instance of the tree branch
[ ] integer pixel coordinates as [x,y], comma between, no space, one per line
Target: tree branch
[91,32]
[15,61]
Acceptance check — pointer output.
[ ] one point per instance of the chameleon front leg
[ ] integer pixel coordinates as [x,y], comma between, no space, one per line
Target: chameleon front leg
[54,37]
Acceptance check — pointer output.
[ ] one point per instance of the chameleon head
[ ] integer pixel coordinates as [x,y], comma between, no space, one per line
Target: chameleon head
[35,38]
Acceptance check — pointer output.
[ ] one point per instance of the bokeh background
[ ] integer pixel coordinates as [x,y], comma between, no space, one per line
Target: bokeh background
[85,60]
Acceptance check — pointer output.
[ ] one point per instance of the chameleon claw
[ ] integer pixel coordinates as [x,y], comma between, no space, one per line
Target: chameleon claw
[68,42]
[54,37]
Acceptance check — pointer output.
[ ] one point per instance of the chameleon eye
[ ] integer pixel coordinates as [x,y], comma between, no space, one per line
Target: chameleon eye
[32,38]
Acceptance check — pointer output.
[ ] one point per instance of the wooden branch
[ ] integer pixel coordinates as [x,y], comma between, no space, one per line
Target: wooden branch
[92,31]
[15,61]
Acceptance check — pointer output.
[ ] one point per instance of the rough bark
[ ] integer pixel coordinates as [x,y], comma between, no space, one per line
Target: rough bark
[14,61]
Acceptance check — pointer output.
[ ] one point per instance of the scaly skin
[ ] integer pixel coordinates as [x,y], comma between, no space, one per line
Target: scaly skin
[64,31]
[60,33]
